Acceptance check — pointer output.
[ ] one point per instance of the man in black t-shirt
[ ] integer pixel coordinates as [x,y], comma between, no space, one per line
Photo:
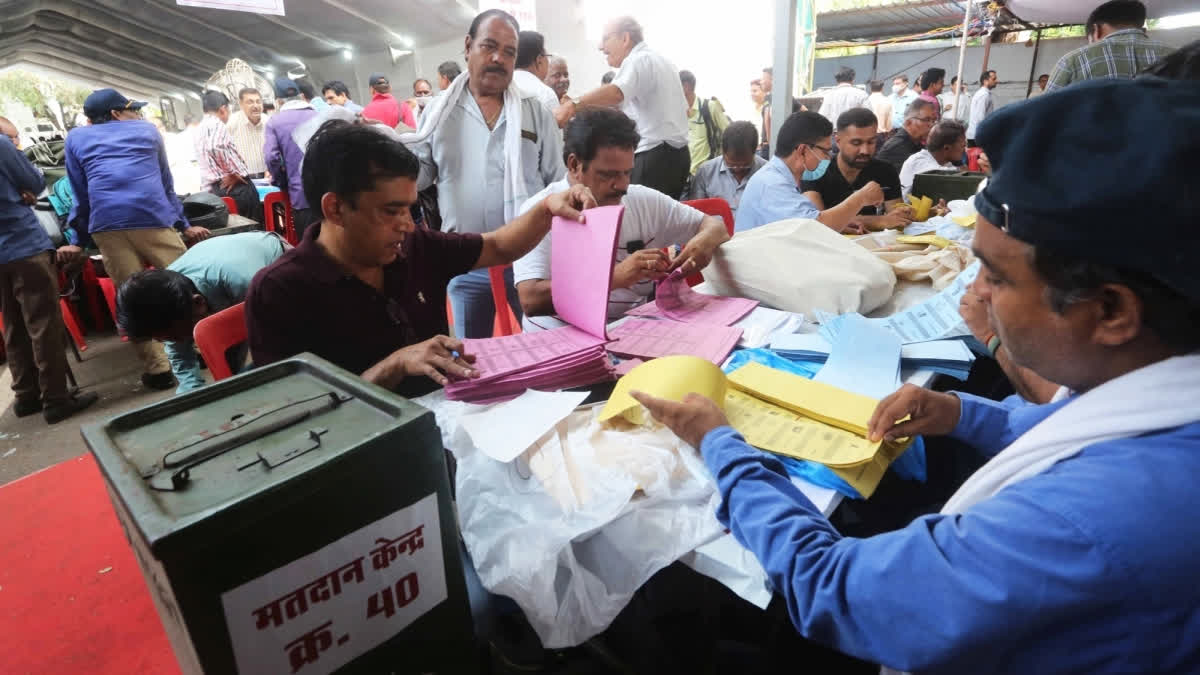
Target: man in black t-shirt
[854,167]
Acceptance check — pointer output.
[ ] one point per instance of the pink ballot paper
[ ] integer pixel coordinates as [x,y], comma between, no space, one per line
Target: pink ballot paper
[675,300]
[581,264]
[572,356]
[650,338]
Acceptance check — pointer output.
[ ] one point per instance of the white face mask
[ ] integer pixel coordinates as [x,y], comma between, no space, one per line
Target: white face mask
[422,100]
[897,88]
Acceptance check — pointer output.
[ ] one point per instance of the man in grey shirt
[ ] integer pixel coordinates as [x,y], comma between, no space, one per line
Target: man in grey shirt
[467,148]
[726,176]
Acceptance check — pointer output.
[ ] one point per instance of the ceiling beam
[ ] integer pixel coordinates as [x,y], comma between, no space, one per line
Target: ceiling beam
[79,72]
[73,45]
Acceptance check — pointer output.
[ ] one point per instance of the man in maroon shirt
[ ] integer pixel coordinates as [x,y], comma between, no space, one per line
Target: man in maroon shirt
[384,107]
[366,288]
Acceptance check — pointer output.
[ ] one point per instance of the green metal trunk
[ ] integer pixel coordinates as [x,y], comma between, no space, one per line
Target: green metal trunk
[294,519]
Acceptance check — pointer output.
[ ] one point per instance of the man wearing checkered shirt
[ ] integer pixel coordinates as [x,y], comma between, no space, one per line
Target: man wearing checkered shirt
[1118,47]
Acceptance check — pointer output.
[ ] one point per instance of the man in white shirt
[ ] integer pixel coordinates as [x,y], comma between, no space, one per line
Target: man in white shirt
[947,143]
[599,152]
[248,127]
[960,112]
[463,148]
[532,66]
[882,107]
[842,97]
[1040,89]
[982,104]
[726,176]
[647,89]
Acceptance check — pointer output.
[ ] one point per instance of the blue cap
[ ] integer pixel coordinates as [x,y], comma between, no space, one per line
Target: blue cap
[100,102]
[376,78]
[1088,170]
[286,88]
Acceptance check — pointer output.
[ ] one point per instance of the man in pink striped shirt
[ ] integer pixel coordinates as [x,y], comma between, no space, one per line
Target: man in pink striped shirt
[222,169]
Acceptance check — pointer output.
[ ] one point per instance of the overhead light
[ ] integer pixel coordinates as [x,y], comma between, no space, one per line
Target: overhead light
[347,54]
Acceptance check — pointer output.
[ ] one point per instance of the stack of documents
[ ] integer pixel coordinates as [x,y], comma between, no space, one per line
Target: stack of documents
[948,357]
[763,324]
[776,411]
[650,339]
[935,319]
[675,300]
[572,356]
[544,360]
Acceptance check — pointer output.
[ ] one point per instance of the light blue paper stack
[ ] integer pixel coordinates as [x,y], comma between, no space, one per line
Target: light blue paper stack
[948,357]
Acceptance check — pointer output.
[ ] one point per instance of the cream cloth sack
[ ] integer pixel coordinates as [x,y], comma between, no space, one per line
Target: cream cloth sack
[800,265]
[918,263]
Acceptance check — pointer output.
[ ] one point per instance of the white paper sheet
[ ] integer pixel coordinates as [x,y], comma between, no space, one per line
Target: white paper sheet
[504,430]
[762,324]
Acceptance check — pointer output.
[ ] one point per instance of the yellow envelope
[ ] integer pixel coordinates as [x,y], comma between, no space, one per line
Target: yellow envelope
[965,221]
[815,400]
[669,377]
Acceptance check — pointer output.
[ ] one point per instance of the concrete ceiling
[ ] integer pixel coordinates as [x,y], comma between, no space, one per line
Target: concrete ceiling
[158,47]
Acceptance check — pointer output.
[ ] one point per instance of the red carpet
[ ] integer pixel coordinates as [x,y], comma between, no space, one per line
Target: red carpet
[72,599]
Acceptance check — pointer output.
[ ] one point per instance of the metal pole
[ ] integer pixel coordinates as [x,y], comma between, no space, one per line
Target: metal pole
[875,62]
[987,52]
[962,54]
[784,86]
[1037,43]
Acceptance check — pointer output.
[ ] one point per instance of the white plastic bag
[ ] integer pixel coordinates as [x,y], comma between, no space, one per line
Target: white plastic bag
[800,266]
[572,528]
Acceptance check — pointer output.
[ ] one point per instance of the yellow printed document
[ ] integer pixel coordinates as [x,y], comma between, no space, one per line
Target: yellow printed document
[669,377]
[815,400]
[770,427]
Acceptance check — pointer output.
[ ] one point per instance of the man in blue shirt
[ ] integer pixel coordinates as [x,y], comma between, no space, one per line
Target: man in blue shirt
[213,275]
[1069,551]
[125,198]
[803,150]
[34,337]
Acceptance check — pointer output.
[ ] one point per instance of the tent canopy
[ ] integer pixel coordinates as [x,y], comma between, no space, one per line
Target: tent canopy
[159,47]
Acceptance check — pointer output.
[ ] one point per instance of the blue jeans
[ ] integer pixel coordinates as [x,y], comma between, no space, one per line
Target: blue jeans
[471,300]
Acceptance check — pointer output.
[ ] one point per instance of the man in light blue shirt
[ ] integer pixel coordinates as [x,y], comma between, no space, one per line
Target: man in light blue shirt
[901,97]
[213,275]
[1066,552]
[728,175]
[803,150]
[337,93]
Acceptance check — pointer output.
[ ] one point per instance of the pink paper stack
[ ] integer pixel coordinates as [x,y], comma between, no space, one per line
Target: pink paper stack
[545,360]
[675,300]
[651,338]
[581,262]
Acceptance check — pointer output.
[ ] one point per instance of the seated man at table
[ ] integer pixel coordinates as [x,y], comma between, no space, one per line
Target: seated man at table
[726,176]
[946,148]
[211,276]
[1066,552]
[365,288]
[919,118]
[598,149]
[802,153]
[856,167]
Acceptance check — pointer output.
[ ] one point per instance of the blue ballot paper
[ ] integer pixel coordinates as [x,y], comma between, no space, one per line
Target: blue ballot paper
[935,319]
[864,360]
[947,357]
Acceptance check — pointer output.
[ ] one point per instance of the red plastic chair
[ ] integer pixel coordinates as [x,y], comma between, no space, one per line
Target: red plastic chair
[110,296]
[289,226]
[91,292]
[506,321]
[973,159]
[70,315]
[216,333]
[713,206]
[230,204]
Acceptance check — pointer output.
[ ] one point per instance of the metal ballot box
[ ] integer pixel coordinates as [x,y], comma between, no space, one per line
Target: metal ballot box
[296,520]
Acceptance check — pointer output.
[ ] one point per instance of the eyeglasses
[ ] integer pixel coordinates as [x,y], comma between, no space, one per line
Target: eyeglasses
[826,151]
[927,120]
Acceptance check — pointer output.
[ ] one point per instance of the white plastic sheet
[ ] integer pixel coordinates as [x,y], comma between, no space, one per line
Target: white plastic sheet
[572,528]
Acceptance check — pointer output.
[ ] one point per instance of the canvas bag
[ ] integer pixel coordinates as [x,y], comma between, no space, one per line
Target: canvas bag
[800,265]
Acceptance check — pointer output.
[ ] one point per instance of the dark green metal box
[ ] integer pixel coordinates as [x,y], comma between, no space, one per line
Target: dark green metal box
[946,184]
[294,519]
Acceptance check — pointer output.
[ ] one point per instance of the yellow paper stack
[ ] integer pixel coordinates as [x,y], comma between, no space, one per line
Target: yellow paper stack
[776,411]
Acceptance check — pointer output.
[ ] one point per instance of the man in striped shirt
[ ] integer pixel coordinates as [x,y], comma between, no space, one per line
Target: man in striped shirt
[222,169]
[248,128]
[1118,47]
